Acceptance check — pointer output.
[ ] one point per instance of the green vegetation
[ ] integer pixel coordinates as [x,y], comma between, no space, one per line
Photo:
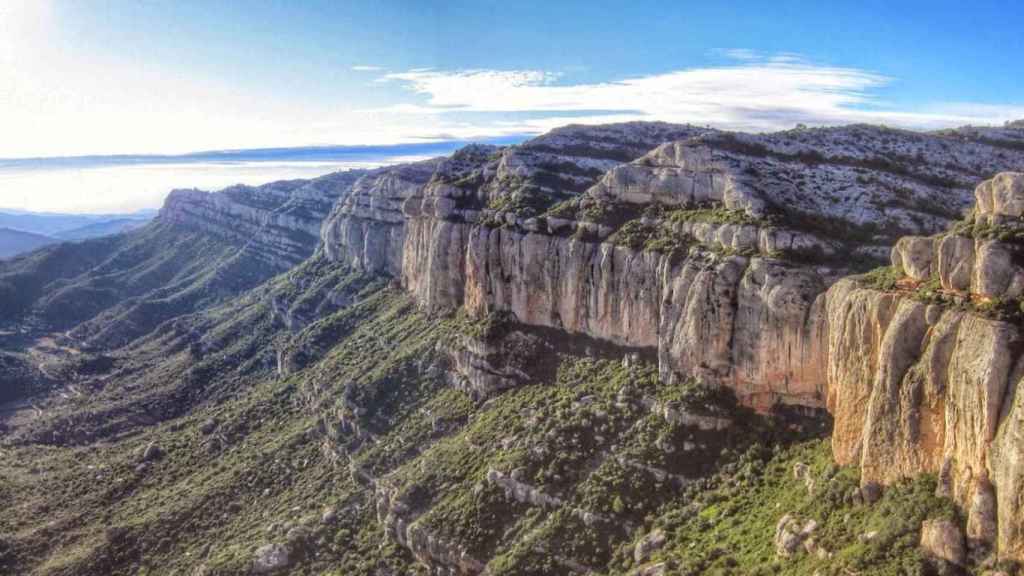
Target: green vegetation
[124,286]
[1008,232]
[326,390]
[884,278]
[887,279]
[653,237]
[729,528]
[714,215]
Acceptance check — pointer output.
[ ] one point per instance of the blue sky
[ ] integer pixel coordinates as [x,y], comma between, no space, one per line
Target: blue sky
[96,77]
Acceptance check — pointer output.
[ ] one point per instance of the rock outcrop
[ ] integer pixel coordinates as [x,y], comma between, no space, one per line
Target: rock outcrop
[735,299]
[943,540]
[366,228]
[925,379]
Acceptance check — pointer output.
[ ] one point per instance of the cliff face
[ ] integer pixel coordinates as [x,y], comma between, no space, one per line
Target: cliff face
[528,403]
[712,249]
[923,375]
[714,252]
[366,228]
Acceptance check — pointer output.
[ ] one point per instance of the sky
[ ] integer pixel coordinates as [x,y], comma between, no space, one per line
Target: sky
[94,77]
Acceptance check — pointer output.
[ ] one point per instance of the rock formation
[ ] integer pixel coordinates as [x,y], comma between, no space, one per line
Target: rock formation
[714,251]
[922,377]
[756,226]
[632,267]
[279,221]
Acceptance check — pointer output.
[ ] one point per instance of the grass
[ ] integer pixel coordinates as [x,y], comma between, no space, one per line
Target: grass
[889,278]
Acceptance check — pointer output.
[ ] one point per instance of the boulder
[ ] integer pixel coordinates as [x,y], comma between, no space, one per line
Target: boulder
[981,515]
[790,534]
[152,452]
[915,255]
[996,274]
[647,545]
[955,261]
[329,516]
[271,558]
[1001,198]
[942,539]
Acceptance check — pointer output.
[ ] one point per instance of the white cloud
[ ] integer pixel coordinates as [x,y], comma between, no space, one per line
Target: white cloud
[761,93]
[737,53]
[53,104]
[365,68]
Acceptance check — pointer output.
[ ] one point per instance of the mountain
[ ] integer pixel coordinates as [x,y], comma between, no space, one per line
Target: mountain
[14,242]
[635,348]
[54,224]
[104,228]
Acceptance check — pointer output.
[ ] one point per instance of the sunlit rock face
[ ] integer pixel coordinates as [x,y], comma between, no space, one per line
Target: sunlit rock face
[533,230]
[925,386]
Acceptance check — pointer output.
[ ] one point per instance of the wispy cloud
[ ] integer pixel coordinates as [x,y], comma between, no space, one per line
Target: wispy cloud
[58,107]
[737,53]
[758,92]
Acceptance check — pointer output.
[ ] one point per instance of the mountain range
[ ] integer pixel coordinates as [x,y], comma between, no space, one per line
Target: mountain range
[634,349]
[22,231]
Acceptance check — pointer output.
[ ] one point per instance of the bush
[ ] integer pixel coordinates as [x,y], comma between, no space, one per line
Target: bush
[884,278]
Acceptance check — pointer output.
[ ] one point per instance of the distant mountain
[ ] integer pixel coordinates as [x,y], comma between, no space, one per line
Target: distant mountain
[14,242]
[104,228]
[72,226]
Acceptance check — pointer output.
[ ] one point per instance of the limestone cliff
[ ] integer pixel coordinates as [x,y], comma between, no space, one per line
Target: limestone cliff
[279,221]
[711,249]
[713,252]
[923,372]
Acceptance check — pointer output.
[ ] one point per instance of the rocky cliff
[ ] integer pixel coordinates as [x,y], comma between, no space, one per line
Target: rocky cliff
[924,366]
[711,249]
[551,392]
[280,222]
[713,252]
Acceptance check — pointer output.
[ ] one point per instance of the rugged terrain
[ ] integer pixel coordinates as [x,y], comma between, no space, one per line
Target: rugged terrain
[627,349]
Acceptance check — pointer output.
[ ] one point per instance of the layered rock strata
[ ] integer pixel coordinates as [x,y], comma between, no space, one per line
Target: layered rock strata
[280,222]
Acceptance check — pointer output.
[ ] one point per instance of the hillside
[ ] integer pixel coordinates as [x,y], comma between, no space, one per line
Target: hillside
[105,228]
[635,349]
[68,226]
[14,242]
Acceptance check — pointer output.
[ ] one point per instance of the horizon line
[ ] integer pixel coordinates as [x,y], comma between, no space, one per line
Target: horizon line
[262,153]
